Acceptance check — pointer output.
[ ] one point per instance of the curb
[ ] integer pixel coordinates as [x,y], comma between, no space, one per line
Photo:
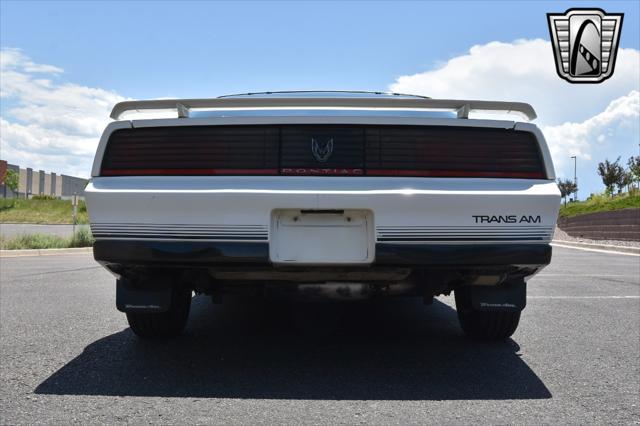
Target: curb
[605,247]
[45,252]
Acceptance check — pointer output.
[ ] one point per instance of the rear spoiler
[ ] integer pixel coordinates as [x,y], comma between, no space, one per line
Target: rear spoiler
[461,107]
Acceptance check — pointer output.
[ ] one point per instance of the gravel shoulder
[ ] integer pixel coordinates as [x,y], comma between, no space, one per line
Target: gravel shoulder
[560,235]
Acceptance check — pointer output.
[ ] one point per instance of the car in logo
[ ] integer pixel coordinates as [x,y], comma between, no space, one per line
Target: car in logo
[585,44]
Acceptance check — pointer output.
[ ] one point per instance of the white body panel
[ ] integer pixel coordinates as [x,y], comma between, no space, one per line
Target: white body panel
[226,208]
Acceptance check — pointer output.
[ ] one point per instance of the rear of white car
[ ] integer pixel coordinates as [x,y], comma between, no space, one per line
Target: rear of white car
[322,196]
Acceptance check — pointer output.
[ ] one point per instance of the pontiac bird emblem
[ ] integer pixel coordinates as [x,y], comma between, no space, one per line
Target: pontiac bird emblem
[321,150]
[585,43]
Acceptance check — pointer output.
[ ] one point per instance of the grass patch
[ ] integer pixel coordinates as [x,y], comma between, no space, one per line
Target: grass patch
[44,211]
[600,203]
[82,238]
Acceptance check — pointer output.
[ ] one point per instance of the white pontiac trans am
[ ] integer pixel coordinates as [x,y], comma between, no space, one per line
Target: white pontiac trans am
[342,195]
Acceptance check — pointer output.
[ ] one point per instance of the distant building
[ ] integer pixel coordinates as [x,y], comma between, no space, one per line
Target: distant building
[32,182]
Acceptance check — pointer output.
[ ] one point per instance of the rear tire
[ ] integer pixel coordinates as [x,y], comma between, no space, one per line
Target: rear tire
[163,324]
[485,325]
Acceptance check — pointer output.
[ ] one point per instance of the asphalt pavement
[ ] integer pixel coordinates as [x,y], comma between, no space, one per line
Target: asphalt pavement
[67,355]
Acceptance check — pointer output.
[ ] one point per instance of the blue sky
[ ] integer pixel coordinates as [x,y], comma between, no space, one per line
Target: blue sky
[200,49]
[150,49]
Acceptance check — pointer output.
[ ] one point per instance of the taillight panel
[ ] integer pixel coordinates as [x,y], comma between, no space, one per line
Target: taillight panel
[348,150]
[193,150]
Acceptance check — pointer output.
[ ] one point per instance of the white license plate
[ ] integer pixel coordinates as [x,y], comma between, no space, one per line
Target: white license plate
[322,237]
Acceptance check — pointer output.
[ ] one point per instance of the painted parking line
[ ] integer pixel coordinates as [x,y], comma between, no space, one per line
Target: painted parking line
[583,297]
[595,250]
[586,275]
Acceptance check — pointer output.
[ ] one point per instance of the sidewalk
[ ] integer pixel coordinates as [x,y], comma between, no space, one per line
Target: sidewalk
[10,230]
[45,252]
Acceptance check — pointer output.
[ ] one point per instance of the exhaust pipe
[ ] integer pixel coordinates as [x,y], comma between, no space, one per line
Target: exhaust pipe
[334,291]
[349,290]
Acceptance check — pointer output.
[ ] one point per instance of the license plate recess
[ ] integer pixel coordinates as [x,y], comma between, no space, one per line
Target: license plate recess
[316,237]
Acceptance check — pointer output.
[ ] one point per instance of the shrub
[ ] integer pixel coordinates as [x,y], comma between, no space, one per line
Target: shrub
[11,180]
[44,197]
[82,238]
[7,203]
[34,241]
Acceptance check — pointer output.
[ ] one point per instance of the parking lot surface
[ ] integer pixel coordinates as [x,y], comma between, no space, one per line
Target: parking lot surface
[67,355]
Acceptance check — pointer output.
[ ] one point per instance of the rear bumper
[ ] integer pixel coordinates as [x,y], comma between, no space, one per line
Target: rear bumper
[132,253]
[418,210]
[414,223]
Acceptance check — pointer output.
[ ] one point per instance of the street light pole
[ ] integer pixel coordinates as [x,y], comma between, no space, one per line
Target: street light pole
[575,177]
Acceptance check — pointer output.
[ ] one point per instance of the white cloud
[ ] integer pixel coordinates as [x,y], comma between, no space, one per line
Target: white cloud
[523,71]
[14,58]
[596,134]
[46,124]
[591,121]
[46,149]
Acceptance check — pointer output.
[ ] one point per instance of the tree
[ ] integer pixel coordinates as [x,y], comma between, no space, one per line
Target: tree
[11,180]
[625,180]
[612,174]
[567,187]
[634,168]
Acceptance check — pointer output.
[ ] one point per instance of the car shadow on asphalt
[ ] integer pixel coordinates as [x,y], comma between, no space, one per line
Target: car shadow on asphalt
[378,350]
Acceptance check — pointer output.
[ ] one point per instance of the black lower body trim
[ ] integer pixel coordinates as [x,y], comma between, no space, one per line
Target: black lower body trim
[211,253]
[180,253]
[462,255]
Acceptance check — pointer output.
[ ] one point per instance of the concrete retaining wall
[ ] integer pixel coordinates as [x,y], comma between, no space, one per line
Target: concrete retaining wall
[622,225]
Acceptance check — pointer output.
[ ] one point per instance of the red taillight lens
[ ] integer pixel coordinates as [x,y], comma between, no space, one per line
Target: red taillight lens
[452,152]
[192,150]
[188,172]
[349,150]
[455,173]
